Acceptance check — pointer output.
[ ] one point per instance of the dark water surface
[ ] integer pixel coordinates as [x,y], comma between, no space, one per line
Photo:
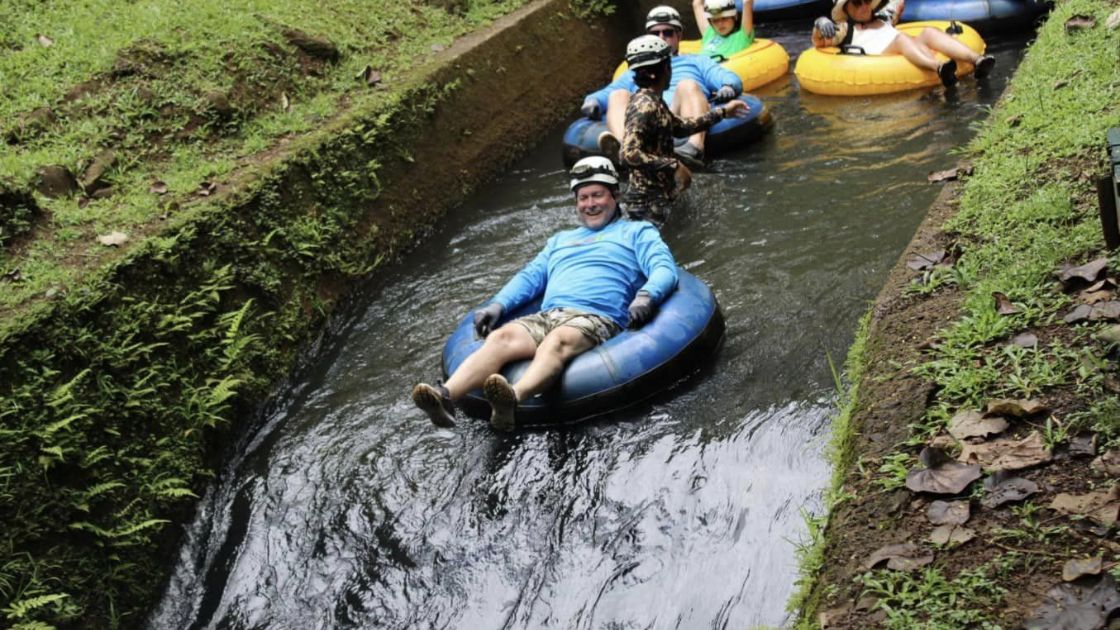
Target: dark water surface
[347,509]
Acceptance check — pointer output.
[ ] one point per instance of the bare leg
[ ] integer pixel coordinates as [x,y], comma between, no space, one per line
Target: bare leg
[561,345]
[915,52]
[617,103]
[947,45]
[508,343]
[689,100]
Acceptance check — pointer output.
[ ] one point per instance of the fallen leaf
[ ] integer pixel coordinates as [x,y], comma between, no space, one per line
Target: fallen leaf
[15,275]
[1079,22]
[830,618]
[113,239]
[921,262]
[158,187]
[438,47]
[1018,407]
[1092,297]
[1083,445]
[948,512]
[948,175]
[1025,340]
[1007,453]
[951,535]
[205,189]
[285,103]
[967,424]
[1110,334]
[1100,505]
[942,441]
[1113,20]
[1108,463]
[1003,304]
[900,557]
[1079,313]
[1104,284]
[1077,606]
[44,41]
[1013,121]
[1060,83]
[1001,487]
[941,475]
[370,76]
[1074,569]
[1087,272]
[1105,310]
[83,201]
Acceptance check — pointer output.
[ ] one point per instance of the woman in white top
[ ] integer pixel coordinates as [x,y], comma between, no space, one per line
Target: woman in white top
[869,25]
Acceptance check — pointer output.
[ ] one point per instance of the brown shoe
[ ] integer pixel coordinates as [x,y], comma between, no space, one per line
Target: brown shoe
[503,402]
[436,402]
[609,146]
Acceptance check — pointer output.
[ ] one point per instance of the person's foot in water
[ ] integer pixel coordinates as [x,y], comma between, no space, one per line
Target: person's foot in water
[984,66]
[503,402]
[947,72]
[436,402]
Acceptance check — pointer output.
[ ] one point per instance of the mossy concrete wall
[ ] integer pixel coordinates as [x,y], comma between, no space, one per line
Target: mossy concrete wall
[116,395]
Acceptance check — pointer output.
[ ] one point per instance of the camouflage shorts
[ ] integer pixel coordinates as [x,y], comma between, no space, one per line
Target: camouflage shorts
[595,327]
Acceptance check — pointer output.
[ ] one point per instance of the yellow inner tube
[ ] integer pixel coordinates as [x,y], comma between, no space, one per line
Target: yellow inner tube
[762,62]
[826,71]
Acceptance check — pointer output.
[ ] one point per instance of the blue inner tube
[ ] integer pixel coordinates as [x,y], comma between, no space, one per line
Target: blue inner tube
[983,15]
[767,10]
[582,137]
[630,367]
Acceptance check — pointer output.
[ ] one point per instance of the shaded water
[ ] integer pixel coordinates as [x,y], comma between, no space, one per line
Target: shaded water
[347,509]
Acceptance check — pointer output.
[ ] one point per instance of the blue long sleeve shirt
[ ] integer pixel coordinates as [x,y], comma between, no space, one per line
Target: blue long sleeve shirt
[597,271]
[710,75]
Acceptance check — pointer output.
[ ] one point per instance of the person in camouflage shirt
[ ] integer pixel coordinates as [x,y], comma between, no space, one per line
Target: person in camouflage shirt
[656,174]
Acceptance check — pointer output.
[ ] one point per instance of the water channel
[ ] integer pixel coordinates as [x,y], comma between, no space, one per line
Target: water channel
[346,509]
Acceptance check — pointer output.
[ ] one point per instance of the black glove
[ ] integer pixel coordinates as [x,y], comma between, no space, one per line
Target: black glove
[825,27]
[486,318]
[725,93]
[641,309]
[590,108]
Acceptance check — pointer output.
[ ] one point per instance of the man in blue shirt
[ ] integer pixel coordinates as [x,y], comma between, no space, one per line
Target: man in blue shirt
[696,78]
[595,280]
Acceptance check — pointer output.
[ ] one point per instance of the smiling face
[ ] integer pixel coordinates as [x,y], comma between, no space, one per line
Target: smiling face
[723,25]
[596,205]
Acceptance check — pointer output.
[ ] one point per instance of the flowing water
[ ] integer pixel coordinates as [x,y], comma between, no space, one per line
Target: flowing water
[346,509]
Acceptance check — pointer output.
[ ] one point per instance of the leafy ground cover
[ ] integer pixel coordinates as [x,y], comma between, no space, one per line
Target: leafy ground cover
[121,366]
[977,456]
[115,115]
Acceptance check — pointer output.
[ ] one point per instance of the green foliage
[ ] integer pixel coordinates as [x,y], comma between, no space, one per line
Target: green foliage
[589,9]
[931,601]
[183,93]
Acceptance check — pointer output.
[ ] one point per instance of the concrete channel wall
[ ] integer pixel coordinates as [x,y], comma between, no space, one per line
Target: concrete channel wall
[154,363]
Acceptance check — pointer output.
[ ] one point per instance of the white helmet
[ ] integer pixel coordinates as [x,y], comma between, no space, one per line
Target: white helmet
[592,170]
[720,9]
[664,14]
[647,50]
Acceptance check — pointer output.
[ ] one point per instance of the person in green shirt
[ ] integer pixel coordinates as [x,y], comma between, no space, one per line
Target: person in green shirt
[725,34]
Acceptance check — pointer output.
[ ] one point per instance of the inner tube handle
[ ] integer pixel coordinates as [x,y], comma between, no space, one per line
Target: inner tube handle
[848,49]
[954,28]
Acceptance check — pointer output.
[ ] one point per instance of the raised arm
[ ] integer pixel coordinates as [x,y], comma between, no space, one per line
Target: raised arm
[700,15]
[748,17]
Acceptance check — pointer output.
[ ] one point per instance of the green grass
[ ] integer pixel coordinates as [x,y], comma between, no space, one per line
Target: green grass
[158,115]
[1029,207]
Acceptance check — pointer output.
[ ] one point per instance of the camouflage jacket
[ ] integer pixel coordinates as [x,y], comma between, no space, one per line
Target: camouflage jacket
[647,146]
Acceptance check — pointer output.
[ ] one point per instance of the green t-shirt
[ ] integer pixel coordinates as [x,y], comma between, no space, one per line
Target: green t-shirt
[715,45]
